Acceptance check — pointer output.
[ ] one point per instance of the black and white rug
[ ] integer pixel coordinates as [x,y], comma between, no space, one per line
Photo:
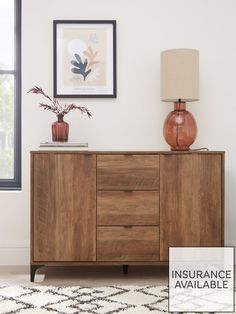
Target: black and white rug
[83,300]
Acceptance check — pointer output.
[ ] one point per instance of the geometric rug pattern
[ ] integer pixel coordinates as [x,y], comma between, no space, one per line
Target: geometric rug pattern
[83,300]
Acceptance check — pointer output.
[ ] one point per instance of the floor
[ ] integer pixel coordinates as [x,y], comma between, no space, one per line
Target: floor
[85,276]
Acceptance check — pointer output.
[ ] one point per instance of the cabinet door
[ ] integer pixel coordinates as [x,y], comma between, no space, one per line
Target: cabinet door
[190,201]
[64,207]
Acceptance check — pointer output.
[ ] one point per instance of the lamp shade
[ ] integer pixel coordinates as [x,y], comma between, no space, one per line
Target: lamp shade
[180,75]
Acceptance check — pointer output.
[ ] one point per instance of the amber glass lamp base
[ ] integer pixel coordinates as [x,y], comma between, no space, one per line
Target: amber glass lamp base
[180,128]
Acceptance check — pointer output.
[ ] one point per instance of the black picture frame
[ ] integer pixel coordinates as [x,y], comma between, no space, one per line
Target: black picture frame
[77,77]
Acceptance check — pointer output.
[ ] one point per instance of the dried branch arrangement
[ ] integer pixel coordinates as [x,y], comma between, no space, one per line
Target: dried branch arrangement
[55,106]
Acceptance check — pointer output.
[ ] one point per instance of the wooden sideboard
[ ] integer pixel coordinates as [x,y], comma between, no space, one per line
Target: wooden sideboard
[123,207]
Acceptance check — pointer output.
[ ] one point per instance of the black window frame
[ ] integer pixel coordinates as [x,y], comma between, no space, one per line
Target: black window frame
[15,183]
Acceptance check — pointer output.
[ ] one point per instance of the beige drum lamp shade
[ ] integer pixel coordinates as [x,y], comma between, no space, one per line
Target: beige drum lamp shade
[180,75]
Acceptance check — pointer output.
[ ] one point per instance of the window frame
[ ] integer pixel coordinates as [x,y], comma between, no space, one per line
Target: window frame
[15,183]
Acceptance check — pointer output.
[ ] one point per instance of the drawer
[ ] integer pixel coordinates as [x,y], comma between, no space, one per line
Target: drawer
[128,244]
[127,208]
[127,172]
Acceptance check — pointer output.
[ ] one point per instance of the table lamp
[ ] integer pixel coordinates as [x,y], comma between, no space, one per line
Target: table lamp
[180,84]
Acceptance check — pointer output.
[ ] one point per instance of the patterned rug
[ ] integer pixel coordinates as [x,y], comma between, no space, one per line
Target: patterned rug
[83,300]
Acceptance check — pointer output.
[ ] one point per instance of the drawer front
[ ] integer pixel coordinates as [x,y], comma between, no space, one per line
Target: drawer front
[128,244]
[128,172]
[127,208]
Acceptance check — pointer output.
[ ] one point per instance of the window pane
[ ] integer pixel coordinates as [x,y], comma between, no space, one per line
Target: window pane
[6,126]
[7,34]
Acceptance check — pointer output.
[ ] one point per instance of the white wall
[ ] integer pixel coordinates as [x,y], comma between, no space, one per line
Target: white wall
[134,120]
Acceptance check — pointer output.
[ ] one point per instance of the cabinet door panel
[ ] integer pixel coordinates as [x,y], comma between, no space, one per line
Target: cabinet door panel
[190,201]
[42,211]
[64,207]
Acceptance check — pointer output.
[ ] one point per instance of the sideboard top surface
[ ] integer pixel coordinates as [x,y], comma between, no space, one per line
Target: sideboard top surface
[126,152]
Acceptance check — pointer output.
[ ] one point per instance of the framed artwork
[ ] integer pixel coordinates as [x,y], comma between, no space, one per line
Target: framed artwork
[84,58]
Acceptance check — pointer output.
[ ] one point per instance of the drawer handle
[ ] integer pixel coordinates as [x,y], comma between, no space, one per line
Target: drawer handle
[128,154]
[128,226]
[127,191]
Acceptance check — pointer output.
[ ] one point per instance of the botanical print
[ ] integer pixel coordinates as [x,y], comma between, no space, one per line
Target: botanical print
[84,57]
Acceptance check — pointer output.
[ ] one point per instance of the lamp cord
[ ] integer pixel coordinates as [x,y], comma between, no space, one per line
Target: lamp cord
[201,148]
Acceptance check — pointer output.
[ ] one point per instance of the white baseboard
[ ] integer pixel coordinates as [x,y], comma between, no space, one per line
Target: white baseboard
[14,255]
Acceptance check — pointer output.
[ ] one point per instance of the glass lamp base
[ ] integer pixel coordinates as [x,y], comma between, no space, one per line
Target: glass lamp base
[180,128]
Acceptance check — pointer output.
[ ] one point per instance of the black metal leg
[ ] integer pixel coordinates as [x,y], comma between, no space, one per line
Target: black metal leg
[33,269]
[125,269]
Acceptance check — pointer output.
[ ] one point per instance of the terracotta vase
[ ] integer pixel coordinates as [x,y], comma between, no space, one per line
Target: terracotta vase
[180,128]
[60,130]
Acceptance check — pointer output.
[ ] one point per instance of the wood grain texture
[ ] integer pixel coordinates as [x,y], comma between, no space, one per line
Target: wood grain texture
[63,216]
[190,201]
[31,207]
[223,198]
[113,152]
[127,208]
[64,207]
[128,172]
[128,244]
[104,263]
